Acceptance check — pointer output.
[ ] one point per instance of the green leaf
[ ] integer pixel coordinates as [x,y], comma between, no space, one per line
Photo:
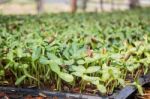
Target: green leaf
[93,69]
[80,62]
[2,72]
[93,59]
[36,53]
[89,78]
[115,72]
[19,52]
[89,60]
[51,56]
[54,67]
[66,54]
[133,67]
[105,76]
[10,56]
[23,66]
[95,82]
[116,56]
[66,77]
[58,61]
[80,69]
[130,68]
[101,88]
[43,60]
[69,62]
[121,81]
[96,56]
[78,74]
[19,80]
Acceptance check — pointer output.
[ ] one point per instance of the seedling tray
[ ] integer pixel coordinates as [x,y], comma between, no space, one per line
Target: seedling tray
[128,90]
[119,94]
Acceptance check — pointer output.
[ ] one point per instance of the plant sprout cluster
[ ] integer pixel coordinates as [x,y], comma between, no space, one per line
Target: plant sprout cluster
[80,51]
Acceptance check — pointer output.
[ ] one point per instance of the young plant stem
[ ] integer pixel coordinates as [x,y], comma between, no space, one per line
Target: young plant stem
[137,73]
[59,84]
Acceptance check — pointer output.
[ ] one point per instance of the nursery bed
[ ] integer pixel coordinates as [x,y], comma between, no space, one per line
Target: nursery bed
[26,93]
[69,54]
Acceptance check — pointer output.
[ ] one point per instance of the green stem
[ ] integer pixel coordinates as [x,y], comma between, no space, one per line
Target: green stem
[59,84]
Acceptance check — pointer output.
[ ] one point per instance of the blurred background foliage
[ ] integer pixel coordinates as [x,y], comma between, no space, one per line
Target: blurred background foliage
[55,6]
